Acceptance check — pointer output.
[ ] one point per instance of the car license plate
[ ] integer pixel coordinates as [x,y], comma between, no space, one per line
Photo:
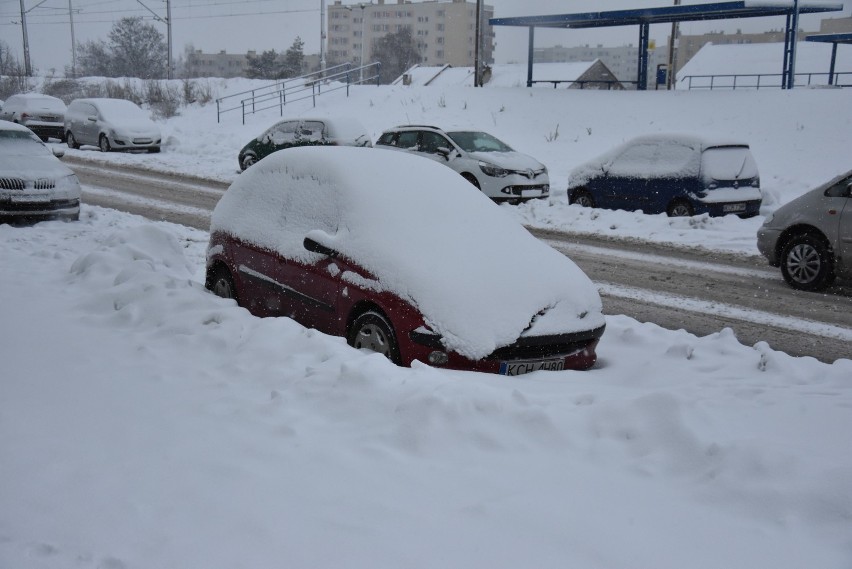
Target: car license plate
[530,193]
[32,198]
[733,207]
[527,366]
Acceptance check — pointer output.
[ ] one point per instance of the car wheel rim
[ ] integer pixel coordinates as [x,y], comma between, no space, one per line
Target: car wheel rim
[371,337]
[104,144]
[803,263]
[680,210]
[584,201]
[222,287]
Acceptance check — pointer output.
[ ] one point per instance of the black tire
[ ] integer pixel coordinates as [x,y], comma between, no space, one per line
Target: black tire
[248,161]
[472,179]
[807,263]
[680,208]
[103,143]
[221,283]
[582,197]
[71,141]
[372,331]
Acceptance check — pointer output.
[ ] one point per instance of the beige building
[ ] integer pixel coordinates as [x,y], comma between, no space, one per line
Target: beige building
[688,46]
[445,32]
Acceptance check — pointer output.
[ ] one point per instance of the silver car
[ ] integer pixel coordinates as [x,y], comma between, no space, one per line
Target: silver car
[33,182]
[491,165]
[110,124]
[810,238]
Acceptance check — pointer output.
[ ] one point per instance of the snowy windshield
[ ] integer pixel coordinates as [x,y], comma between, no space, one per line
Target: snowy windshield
[15,143]
[45,104]
[475,141]
[118,109]
[728,163]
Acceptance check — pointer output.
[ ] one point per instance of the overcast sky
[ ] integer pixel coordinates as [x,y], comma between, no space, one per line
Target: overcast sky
[241,25]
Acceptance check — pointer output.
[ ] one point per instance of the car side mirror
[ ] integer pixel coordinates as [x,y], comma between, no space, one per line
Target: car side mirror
[58,152]
[445,152]
[316,247]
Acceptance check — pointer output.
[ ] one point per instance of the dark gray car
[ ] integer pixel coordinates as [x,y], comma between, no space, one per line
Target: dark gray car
[810,238]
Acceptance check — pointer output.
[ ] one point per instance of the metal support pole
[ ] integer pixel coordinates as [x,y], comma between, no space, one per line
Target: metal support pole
[642,75]
[670,82]
[322,37]
[833,61]
[530,57]
[788,79]
[361,57]
[73,43]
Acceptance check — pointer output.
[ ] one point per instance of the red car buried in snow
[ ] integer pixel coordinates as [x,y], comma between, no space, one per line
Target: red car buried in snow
[403,257]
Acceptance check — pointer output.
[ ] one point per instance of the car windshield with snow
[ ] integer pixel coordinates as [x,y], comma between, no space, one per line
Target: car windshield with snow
[403,257]
[503,174]
[316,131]
[33,182]
[679,175]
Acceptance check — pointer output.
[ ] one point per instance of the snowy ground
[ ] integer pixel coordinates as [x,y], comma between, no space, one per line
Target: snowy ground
[146,423]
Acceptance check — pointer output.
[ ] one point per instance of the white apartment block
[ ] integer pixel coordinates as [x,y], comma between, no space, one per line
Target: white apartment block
[445,32]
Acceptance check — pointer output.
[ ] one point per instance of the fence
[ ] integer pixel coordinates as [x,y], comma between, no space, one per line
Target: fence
[764,81]
[307,86]
[599,84]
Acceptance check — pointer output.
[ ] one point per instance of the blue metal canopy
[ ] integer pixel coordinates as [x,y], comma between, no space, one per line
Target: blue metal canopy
[833,39]
[644,17]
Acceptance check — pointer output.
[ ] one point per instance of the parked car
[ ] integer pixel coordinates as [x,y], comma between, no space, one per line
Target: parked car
[680,175]
[42,114]
[110,124]
[488,163]
[810,238]
[361,243]
[33,182]
[315,131]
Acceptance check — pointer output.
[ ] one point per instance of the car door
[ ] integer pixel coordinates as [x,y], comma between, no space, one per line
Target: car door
[672,173]
[840,204]
[88,129]
[281,135]
[625,184]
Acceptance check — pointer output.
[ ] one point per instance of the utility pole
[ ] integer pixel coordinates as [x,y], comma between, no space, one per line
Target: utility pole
[28,69]
[73,43]
[169,37]
[670,81]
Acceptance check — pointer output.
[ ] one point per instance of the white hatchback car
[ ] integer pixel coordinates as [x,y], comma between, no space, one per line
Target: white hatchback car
[488,163]
[110,124]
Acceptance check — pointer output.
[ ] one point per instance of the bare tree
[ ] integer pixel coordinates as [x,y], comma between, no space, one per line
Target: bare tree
[134,49]
[397,52]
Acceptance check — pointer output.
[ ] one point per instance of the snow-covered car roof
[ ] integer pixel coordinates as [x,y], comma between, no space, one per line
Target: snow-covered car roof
[426,234]
[118,108]
[584,172]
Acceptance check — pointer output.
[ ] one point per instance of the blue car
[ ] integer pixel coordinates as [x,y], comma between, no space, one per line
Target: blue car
[680,175]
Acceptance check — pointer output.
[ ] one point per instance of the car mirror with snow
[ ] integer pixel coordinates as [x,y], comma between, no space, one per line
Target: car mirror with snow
[58,152]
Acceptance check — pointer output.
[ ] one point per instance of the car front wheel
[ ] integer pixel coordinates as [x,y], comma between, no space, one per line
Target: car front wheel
[71,141]
[103,143]
[248,161]
[222,284]
[372,331]
[807,263]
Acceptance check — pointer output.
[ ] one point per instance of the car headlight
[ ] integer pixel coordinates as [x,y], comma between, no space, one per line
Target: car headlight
[492,170]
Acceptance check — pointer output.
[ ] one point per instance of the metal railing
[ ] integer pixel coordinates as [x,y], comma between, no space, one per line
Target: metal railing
[607,85]
[293,89]
[765,81]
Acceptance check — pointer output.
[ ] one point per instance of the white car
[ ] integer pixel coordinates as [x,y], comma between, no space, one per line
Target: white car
[488,163]
[33,182]
[42,114]
[110,124]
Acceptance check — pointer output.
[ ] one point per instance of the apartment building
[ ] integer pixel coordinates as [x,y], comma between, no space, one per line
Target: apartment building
[445,32]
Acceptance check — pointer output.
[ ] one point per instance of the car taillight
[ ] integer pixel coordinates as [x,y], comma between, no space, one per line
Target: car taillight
[24,116]
[712,186]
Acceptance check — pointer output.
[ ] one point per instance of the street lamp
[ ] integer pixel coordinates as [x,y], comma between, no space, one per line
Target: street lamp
[361,5]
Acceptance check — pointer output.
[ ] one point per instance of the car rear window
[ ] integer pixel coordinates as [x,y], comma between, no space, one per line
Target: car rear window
[728,163]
